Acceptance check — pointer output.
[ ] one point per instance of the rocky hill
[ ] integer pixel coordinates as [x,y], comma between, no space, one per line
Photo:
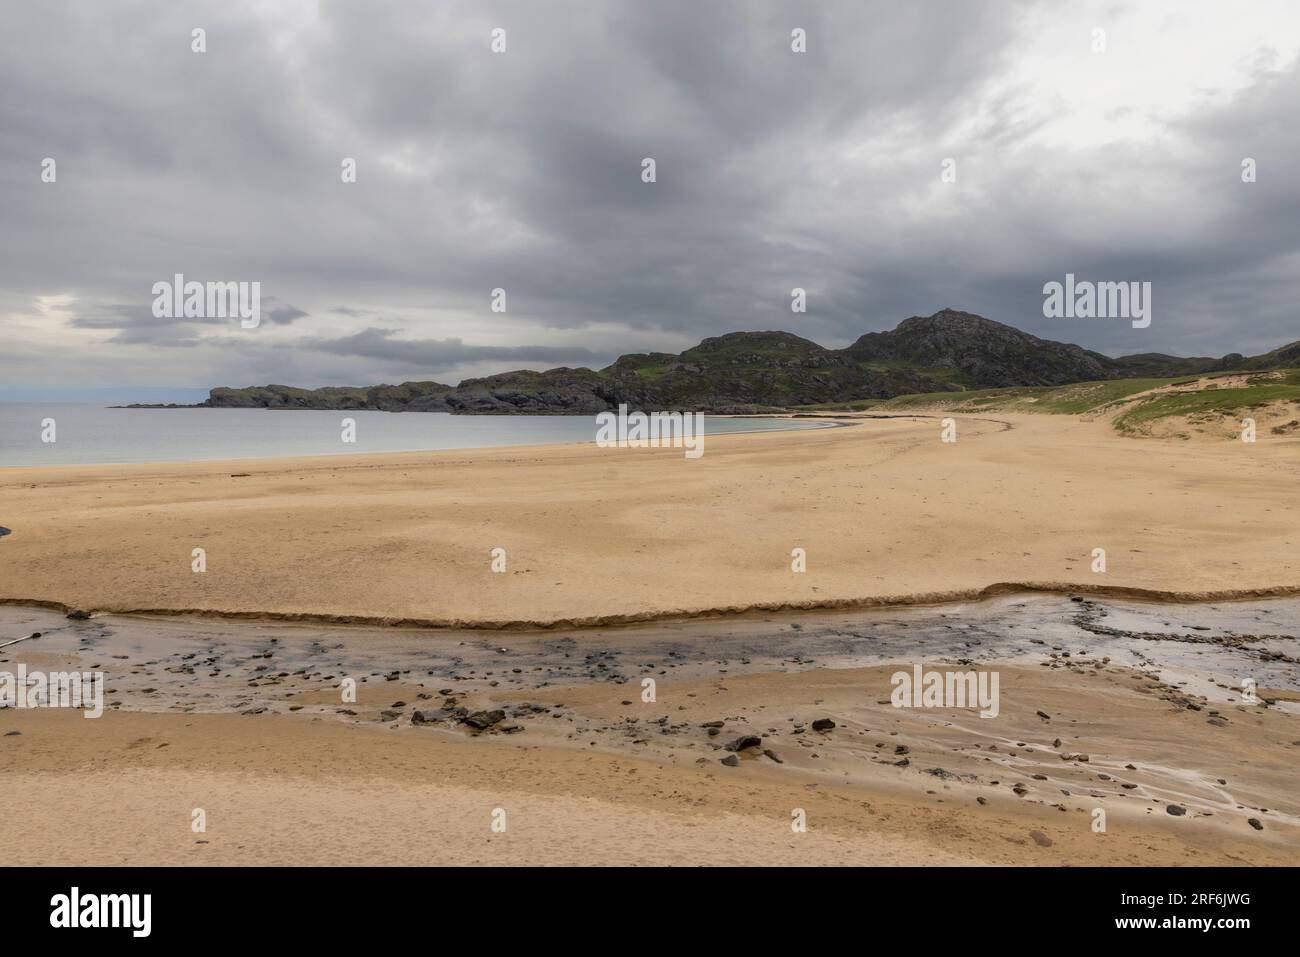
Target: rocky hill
[760,371]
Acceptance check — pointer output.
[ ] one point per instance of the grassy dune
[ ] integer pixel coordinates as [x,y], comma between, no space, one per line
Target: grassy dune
[1214,394]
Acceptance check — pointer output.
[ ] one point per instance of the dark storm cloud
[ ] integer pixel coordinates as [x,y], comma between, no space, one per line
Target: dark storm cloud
[521,171]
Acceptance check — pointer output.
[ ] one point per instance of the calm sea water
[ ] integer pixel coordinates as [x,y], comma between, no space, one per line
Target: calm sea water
[91,434]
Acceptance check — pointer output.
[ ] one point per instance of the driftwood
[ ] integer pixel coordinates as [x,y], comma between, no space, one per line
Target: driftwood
[34,634]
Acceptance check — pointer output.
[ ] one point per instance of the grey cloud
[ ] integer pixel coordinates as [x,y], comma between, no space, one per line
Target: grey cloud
[439,354]
[282,313]
[522,171]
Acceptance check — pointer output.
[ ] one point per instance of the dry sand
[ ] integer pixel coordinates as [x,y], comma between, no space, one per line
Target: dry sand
[883,509]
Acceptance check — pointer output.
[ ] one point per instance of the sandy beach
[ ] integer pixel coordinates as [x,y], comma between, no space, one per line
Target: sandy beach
[625,564]
[245,722]
[884,511]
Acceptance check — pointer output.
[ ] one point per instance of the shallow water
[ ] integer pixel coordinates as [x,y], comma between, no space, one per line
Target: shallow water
[91,434]
[206,664]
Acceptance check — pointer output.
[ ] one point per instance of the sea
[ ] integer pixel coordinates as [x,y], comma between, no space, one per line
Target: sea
[90,434]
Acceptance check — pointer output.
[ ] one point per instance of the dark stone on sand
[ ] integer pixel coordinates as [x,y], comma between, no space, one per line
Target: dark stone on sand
[1044,715]
[745,741]
[419,717]
[1176,810]
[12,734]
[773,755]
[1041,839]
[823,724]
[1254,822]
[731,761]
[483,720]
[4,531]
[78,615]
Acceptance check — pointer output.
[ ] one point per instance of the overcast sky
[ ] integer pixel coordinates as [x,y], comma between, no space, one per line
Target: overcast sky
[522,170]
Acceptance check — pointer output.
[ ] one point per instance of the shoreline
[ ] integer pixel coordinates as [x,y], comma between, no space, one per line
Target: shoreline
[677,616]
[801,423]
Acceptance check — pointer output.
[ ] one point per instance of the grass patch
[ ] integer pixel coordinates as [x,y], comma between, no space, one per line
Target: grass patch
[1260,391]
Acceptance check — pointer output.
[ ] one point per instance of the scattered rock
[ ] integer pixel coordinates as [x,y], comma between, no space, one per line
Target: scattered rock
[78,615]
[731,761]
[745,741]
[1041,839]
[482,720]
[823,724]
[773,755]
[1176,810]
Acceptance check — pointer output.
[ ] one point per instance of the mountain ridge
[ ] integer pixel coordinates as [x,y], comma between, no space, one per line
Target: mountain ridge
[768,370]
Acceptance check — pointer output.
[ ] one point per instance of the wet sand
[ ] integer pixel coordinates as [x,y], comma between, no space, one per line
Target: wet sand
[1124,706]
